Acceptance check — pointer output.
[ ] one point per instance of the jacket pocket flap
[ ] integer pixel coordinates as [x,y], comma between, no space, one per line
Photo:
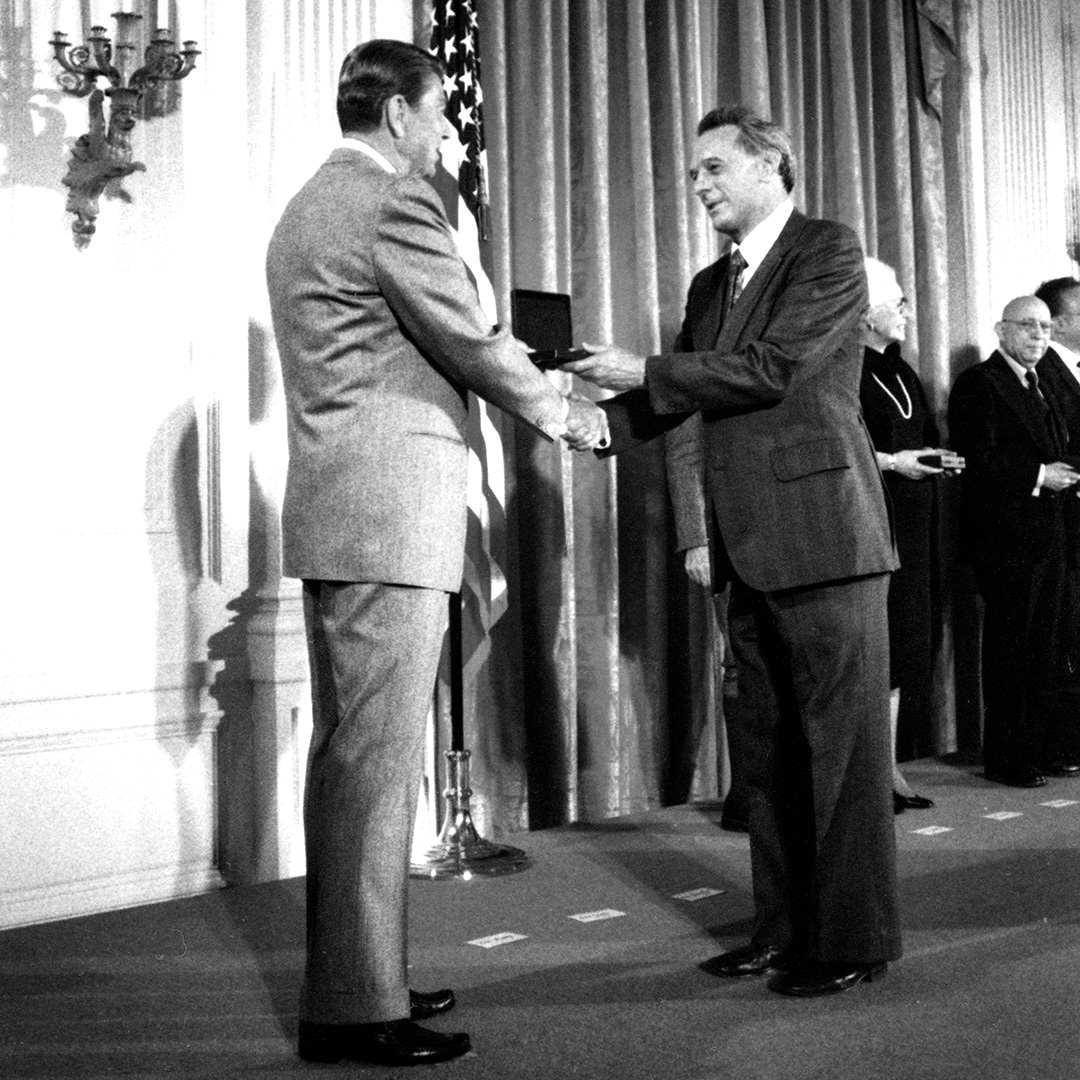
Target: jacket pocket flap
[803,459]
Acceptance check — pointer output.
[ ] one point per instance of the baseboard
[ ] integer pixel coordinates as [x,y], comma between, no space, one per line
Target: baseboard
[91,897]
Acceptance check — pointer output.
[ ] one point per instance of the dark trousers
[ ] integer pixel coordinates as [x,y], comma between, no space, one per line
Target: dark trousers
[374,652]
[813,677]
[1023,655]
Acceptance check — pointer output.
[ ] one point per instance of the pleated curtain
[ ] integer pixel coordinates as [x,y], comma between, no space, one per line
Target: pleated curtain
[601,693]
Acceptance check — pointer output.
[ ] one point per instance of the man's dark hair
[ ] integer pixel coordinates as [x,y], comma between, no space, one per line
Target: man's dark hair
[756,136]
[1053,292]
[375,72]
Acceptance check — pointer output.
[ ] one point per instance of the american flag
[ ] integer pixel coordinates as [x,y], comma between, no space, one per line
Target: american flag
[463,185]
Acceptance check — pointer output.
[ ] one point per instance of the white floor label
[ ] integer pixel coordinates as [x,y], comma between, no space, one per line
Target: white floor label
[697,894]
[497,939]
[598,916]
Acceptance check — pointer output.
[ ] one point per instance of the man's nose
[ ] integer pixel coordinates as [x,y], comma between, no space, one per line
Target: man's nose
[448,131]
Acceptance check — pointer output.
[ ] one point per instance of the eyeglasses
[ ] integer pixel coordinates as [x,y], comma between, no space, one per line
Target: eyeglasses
[898,304]
[1032,326]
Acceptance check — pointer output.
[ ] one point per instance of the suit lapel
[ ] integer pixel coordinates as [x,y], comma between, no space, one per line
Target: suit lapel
[1020,400]
[758,283]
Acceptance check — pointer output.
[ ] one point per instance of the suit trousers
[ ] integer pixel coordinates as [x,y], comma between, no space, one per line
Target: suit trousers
[374,652]
[1023,621]
[814,704]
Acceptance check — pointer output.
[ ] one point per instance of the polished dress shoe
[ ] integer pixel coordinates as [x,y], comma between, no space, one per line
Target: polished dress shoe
[910,802]
[815,978]
[747,960]
[423,1006]
[1061,768]
[733,823]
[392,1042]
[1022,776]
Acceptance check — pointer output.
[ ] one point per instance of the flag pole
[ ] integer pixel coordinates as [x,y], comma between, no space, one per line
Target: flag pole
[460,852]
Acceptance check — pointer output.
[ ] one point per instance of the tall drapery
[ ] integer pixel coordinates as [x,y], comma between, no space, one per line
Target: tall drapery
[592,107]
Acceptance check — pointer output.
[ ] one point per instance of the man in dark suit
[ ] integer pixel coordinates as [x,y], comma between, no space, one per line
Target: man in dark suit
[1006,418]
[1062,363]
[769,354]
[381,335]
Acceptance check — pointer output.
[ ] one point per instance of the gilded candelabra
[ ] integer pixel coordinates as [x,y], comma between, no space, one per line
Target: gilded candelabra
[104,152]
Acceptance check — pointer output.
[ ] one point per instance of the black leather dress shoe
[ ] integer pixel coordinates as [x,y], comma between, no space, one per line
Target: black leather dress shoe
[423,1006]
[1023,776]
[910,802]
[747,960]
[814,978]
[733,823]
[1061,768]
[393,1042]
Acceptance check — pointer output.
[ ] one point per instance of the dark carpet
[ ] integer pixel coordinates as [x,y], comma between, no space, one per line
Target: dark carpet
[989,986]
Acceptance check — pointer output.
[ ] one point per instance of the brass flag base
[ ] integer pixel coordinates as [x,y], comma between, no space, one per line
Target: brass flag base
[460,852]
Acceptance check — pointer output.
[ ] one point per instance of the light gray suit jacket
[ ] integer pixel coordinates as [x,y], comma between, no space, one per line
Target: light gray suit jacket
[380,335]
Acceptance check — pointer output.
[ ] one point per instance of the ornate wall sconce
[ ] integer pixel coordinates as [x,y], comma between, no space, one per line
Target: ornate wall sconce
[104,152]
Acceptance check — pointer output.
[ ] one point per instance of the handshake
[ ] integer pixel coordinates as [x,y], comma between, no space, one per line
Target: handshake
[586,425]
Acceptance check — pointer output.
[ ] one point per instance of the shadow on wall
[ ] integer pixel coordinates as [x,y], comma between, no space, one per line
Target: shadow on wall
[239,805]
[174,537]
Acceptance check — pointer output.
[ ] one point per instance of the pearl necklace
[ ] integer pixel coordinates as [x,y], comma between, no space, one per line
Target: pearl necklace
[895,399]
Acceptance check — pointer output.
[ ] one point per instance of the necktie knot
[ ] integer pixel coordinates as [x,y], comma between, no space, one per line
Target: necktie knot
[738,262]
[1032,381]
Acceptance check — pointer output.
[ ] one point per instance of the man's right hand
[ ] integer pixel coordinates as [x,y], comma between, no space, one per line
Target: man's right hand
[698,566]
[586,424]
[1060,476]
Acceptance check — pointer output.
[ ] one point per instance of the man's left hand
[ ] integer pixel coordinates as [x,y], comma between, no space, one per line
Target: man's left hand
[610,367]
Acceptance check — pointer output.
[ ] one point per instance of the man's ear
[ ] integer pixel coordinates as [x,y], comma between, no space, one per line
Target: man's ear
[394,112]
[768,165]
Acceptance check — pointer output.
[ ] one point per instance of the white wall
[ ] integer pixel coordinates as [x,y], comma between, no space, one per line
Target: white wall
[152,670]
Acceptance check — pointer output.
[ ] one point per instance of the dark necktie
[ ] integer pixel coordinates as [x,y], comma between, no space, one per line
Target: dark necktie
[736,265]
[1053,421]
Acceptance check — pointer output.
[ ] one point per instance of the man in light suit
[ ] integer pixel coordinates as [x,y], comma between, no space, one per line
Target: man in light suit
[1006,416]
[769,354]
[381,336]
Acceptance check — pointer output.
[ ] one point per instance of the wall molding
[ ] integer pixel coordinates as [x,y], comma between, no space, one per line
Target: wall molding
[64,900]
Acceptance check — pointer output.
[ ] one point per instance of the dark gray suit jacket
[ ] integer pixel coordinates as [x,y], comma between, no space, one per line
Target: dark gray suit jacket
[790,472]
[995,423]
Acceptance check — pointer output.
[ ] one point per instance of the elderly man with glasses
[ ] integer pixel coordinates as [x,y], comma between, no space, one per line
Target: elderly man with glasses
[1007,417]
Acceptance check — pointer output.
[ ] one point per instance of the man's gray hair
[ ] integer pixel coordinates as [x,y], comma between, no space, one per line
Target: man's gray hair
[756,136]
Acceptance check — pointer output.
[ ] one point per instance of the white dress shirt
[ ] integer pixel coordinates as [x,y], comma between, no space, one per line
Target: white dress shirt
[757,242]
[348,143]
